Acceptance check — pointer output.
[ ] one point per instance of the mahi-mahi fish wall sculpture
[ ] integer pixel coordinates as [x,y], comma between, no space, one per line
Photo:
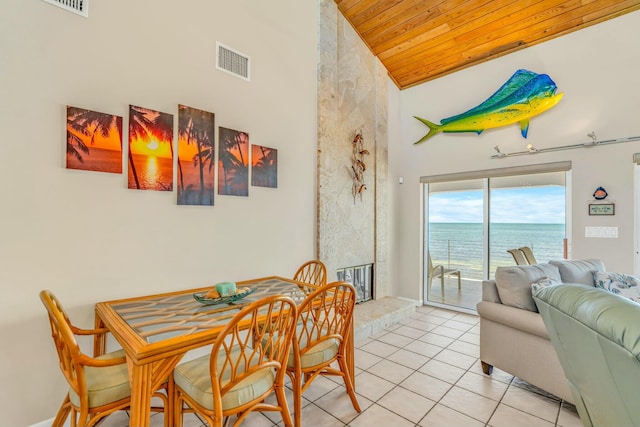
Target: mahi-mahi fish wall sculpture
[525,95]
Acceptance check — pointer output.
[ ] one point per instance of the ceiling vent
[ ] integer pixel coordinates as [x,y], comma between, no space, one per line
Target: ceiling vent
[80,7]
[232,61]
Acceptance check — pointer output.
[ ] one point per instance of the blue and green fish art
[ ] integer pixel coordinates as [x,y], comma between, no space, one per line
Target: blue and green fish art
[525,95]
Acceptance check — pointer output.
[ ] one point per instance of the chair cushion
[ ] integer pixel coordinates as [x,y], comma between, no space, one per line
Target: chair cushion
[194,378]
[514,283]
[105,384]
[319,353]
[618,283]
[578,270]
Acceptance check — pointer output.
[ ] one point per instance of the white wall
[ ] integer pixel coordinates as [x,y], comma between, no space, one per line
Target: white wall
[84,235]
[597,70]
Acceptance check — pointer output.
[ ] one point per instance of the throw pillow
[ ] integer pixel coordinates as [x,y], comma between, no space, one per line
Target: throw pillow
[514,283]
[578,270]
[543,283]
[621,284]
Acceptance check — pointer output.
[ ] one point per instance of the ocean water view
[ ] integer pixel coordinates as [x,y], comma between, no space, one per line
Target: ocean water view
[460,245]
[154,173]
[97,159]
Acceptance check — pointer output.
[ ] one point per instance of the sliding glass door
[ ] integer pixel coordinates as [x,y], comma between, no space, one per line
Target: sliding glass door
[526,210]
[471,224]
[455,240]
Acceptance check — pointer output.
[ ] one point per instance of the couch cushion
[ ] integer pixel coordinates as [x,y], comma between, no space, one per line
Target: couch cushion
[514,283]
[618,283]
[578,270]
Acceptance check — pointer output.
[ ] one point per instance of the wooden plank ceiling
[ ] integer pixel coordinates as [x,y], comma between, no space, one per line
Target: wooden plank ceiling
[420,40]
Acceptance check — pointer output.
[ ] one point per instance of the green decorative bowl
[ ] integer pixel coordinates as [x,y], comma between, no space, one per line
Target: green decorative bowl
[240,293]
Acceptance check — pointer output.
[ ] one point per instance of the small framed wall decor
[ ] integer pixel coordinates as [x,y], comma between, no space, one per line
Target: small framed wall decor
[602,209]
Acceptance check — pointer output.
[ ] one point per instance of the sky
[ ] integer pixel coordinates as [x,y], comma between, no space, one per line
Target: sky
[531,205]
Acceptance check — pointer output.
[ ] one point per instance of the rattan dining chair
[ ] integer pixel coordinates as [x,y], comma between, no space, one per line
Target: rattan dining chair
[313,272]
[322,331]
[98,386]
[246,365]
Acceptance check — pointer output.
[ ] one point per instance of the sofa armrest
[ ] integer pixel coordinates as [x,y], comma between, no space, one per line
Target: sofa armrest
[490,291]
[517,318]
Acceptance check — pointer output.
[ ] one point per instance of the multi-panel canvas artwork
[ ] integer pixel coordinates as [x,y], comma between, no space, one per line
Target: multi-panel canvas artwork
[233,162]
[264,166]
[94,141]
[150,149]
[196,156]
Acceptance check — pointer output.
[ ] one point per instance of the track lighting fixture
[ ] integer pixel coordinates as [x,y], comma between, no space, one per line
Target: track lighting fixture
[530,149]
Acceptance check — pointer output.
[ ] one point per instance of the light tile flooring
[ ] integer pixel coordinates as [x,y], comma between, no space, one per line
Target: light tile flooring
[423,372]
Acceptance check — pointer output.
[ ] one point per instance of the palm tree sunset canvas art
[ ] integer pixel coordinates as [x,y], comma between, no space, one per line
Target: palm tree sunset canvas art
[233,162]
[264,166]
[150,149]
[94,141]
[196,156]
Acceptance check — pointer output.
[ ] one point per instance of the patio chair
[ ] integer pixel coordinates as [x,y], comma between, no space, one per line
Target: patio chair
[246,365]
[436,271]
[528,254]
[518,256]
[322,332]
[98,386]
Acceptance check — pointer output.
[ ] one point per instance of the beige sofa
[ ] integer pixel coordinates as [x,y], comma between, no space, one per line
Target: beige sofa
[513,337]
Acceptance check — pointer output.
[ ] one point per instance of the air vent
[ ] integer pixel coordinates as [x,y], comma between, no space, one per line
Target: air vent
[232,61]
[80,7]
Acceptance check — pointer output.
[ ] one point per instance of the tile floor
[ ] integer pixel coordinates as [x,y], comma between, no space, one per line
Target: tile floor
[423,372]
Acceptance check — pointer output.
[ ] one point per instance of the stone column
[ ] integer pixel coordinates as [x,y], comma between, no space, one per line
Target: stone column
[352,96]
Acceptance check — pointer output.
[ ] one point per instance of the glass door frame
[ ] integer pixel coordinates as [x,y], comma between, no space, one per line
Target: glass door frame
[485,175]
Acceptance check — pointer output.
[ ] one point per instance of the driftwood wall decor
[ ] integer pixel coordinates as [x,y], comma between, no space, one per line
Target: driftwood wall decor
[358,167]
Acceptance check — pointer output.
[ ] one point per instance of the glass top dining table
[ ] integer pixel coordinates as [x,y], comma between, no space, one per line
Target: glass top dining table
[156,331]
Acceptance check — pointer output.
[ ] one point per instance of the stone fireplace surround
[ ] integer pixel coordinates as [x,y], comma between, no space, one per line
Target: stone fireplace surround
[352,96]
